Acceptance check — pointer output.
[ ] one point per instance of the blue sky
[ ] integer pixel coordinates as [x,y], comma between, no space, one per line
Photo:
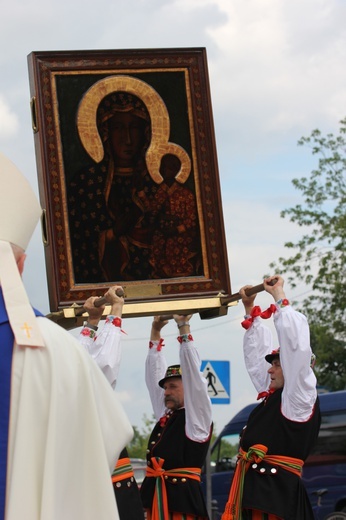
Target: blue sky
[277,71]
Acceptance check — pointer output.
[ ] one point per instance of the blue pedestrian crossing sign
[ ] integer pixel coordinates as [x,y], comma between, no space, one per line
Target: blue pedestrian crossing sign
[217,373]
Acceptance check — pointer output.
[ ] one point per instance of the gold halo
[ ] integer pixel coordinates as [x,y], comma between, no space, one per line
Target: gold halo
[160,124]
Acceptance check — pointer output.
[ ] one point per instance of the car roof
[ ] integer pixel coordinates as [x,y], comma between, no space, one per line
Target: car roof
[329,402]
[332,401]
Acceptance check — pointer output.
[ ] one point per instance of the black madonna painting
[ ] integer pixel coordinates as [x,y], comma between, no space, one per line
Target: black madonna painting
[128,174]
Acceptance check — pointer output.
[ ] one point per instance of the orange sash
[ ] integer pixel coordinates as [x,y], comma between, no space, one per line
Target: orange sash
[159,509]
[256,453]
[122,470]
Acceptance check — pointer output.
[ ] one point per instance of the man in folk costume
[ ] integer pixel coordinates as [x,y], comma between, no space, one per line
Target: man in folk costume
[62,427]
[283,428]
[179,442]
[104,346]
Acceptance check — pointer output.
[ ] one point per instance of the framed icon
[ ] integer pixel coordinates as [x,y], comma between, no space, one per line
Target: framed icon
[128,174]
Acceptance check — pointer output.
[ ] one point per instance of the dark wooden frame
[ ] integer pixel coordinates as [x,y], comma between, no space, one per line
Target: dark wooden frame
[57,148]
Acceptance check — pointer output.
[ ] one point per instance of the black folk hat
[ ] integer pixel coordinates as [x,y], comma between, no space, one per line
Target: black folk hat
[172,371]
[272,355]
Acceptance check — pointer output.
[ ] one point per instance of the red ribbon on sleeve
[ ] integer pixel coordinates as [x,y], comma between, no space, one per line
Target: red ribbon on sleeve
[256,311]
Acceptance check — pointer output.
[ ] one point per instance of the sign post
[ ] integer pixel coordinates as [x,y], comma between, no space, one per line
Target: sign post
[217,373]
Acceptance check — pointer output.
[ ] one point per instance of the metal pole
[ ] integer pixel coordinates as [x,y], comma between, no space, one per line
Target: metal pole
[208,488]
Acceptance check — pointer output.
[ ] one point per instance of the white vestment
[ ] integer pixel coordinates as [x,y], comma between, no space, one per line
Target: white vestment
[67,429]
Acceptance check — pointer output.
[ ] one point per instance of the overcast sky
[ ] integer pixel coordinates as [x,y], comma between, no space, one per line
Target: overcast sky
[277,71]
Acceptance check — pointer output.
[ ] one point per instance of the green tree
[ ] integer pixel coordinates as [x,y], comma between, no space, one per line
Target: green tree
[330,367]
[318,257]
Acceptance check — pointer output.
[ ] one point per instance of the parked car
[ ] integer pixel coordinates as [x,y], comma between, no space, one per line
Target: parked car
[139,468]
[325,468]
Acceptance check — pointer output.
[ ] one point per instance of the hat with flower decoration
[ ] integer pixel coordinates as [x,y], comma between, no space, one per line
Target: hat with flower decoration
[274,354]
[172,371]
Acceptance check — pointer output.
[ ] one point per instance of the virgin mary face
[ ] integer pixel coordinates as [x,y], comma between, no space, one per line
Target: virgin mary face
[127,138]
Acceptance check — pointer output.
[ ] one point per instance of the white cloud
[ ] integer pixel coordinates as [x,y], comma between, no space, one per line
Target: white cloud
[278,70]
[9,121]
[124,397]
